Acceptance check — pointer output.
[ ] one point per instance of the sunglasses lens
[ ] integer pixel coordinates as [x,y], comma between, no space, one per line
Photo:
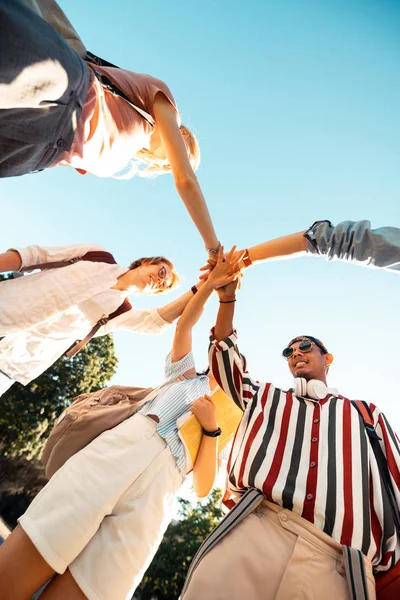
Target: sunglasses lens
[305,346]
[287,352]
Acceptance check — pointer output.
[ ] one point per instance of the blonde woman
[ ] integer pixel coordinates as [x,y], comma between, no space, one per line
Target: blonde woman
[59,110]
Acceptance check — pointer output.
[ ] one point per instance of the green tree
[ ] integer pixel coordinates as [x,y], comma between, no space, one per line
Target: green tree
[27,412]
[165,577]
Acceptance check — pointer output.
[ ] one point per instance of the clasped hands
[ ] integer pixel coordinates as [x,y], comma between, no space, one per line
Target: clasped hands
[224,272]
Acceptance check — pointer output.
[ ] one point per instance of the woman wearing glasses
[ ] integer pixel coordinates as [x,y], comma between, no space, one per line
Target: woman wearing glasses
[80,292]
[120,489]
[59,110]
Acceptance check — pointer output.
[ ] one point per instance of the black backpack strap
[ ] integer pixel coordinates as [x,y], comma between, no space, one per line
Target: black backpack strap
[125,306]
[100,62]
[366,415]
[92,256]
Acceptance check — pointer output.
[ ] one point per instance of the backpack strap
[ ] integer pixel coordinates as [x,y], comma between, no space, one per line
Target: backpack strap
[125,307]
[365,413]
[111,87]
[96,60]
[92,256]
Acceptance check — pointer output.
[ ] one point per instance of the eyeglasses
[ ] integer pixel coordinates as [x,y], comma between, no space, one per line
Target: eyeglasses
[304,346]
[162,278]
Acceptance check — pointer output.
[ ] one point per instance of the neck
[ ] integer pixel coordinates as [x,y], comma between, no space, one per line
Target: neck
[126,281]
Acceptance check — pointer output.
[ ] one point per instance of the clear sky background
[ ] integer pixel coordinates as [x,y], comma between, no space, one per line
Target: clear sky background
[296,107]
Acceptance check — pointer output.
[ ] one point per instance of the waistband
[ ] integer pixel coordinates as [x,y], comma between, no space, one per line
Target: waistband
[303,528]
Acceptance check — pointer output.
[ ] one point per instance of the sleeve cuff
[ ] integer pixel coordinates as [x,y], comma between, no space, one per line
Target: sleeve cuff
[311,237]
[23,252]
[158,320]
[225,344]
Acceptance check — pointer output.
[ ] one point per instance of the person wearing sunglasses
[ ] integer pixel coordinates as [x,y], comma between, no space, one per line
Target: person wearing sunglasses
[309,516]
[349,241]
[79,292]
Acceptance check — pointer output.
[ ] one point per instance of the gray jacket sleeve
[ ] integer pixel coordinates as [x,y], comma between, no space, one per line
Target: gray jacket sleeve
[356,242]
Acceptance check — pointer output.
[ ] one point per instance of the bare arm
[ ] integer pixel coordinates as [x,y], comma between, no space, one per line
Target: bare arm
[283,247]
[186,181]
[10,261]
[227,298]
[205,467]
[224,272]
[170,312]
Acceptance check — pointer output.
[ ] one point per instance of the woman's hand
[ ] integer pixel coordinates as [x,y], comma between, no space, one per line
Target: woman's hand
[204,410]
[227,268]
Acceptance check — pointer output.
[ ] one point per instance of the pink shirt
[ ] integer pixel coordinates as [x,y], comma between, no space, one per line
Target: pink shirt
[110,131]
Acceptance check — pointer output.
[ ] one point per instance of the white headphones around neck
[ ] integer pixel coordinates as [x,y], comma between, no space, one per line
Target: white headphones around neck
[313,389]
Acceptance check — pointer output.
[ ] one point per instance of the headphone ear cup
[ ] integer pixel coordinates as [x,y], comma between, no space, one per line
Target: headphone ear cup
[316,389]
[300,386]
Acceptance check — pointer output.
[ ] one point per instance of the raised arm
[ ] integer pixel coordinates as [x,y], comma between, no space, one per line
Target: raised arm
[227,364]
[349,241]
[186,181]
[223,273]
[287,246]
[171,311]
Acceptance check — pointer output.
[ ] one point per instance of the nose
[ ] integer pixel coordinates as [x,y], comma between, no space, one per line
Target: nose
[297,353]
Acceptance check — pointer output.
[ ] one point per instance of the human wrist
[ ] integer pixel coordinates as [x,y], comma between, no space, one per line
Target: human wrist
[214,249]
[210,426]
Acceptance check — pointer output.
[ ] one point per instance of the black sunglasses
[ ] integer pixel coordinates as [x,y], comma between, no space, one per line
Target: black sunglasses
[304,346]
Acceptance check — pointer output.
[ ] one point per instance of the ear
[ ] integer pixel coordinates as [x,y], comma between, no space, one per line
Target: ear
[328,361]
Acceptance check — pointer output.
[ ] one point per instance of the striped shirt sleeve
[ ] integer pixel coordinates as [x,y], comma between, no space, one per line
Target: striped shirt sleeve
[178,368]
[229,369]
[390,445]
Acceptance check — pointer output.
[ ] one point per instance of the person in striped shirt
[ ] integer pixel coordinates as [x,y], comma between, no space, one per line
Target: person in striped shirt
[96,525]
[310,517]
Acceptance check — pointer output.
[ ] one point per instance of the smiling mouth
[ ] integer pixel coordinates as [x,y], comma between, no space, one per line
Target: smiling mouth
[301,363]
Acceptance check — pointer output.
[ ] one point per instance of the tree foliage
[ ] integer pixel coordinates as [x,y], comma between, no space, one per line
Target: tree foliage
[27,412]
[165,577]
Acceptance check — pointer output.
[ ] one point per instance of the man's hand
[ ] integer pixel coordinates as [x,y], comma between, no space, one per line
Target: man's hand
[228,292]
[204,410]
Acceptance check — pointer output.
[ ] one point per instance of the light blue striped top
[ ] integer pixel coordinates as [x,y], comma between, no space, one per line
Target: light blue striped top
[174,401]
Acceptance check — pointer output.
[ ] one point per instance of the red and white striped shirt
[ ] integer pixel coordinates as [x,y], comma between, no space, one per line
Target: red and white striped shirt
[311,457]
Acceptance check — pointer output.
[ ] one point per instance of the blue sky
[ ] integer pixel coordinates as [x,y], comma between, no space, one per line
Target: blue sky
[295,104]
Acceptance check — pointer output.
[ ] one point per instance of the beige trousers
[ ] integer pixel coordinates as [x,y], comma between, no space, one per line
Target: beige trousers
[274,554]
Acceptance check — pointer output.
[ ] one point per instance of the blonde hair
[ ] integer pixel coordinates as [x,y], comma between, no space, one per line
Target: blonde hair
[157,260]
[145,164]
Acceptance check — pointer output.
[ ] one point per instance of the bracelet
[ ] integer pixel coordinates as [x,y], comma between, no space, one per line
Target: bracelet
[214,250]
[213,434]
[227,301]
[246,259]
[194,289]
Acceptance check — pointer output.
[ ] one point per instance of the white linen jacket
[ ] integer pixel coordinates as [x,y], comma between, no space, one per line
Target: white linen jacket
[40,316]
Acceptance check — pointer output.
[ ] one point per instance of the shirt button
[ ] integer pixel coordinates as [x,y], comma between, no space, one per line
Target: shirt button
[61,144]
[284,517]
[310,496]
[312,464]
[314,440]
[148,435]
[316,420]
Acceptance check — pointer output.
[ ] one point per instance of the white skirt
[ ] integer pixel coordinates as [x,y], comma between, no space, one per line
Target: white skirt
[104,513]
